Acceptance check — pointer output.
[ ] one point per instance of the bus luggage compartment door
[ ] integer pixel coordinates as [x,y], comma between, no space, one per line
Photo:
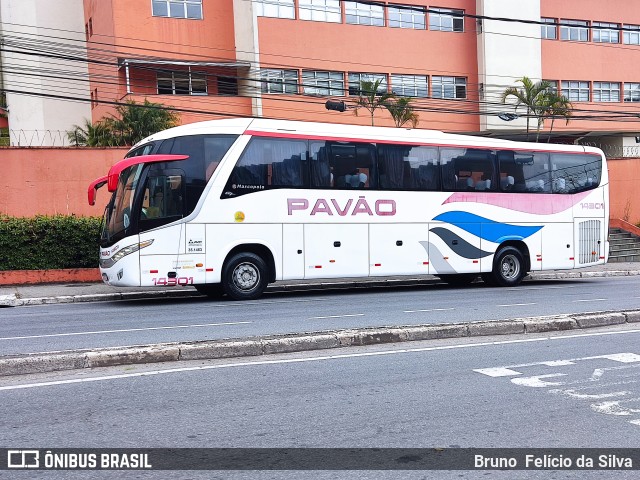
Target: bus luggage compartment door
[335,250]
[399,249]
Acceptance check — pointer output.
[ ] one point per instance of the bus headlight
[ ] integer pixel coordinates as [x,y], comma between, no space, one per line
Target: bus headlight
[123,252]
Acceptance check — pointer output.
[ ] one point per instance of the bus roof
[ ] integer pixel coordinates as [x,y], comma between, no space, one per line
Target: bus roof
[345,132]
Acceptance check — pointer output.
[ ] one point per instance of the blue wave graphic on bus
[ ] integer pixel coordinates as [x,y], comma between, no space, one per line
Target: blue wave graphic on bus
[485,228]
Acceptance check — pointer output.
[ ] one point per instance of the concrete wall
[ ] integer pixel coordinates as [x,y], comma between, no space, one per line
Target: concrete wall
[506,53]
[624,179]
[29,25]
[51,181]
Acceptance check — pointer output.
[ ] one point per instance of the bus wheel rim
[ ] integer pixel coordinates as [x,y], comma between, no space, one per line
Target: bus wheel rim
[510,267]
[246,276]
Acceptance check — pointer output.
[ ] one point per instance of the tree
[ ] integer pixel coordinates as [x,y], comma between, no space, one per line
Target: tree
[556,105]
[96,134]
[401,111]
[134,123]
[532,96]
[370,98]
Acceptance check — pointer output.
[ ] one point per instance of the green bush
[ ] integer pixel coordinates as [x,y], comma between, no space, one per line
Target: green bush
[45,242]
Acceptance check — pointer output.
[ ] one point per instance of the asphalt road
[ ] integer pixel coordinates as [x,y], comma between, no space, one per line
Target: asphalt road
[119,323]
[556,391]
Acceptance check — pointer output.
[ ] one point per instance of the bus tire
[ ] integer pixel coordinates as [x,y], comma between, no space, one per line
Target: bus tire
[508,267]
[458,279]
[245,276]
[211,290]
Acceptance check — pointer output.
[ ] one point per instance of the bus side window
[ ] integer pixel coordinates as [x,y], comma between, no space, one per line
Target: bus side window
[353,165]
[529,170]
[406,167]
[572,173]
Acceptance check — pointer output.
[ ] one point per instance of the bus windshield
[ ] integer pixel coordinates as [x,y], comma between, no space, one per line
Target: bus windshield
[119,212]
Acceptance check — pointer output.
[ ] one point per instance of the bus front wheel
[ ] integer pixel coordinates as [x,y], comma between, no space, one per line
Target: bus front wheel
[245,276]
[508,268]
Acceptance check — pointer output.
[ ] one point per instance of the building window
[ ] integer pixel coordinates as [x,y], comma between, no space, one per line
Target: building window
[320,10]
[446,20]
[631,34]
[606,32]
[407,17]
[575,30]
[275,8]
[549,31]
[409,85]
[358,13]
[279,81]
[177,8]
[606,92]
[449,87]
[356,78]
[317,82]
[632,92]
[553,85]
[181,83]
[228,86]
[576,91]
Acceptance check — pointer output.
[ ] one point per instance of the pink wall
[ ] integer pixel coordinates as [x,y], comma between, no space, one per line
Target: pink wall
[49,181]
[624,178]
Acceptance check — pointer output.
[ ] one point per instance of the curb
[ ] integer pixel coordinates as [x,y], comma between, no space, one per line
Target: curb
[15,301]
[268,345]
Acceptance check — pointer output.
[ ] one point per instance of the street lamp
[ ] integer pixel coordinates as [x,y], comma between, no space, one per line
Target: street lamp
[332,105]
[507,117]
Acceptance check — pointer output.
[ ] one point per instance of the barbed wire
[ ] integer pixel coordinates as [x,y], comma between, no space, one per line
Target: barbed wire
[615,151]
[55,139]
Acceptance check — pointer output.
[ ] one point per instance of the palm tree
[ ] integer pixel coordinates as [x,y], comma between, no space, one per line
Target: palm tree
[370,98]
[401,111]
[135,122]
[91,134]
[556,105]
[531,95]
[139,121]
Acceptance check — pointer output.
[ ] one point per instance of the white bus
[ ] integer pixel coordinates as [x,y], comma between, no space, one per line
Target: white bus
[229,206]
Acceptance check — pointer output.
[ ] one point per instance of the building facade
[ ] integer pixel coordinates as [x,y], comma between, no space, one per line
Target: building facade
[286,58]
[43,71]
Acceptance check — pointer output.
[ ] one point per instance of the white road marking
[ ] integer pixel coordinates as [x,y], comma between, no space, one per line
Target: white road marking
[574,394]
[497,372]
[590,300]
[337,316]
[517,305]
[614,407]
[301,360]
[537,382]
[430,310]
[558,363]
[519,289]
[623,357]
[124,330]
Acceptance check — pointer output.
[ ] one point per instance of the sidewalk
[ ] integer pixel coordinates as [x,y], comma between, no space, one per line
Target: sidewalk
[19,295]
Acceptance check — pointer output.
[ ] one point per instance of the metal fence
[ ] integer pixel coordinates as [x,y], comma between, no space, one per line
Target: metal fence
[46,138]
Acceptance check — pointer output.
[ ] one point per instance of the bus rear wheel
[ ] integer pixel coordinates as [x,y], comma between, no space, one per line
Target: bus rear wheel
[245,276]
[508,268]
